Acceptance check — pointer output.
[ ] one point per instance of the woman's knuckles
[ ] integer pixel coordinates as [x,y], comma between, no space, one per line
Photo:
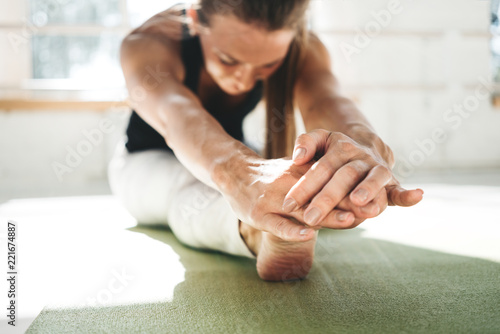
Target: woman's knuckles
[353,171]
[305,140]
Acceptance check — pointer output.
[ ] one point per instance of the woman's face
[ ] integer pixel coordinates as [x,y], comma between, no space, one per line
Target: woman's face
[238,54]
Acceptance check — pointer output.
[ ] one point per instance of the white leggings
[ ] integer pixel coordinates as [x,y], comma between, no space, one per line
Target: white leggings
[158,190]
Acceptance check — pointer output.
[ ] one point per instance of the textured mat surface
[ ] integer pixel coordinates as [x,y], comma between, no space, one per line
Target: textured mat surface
[432,268]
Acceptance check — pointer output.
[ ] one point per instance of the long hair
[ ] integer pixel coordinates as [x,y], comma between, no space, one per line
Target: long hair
[278,88]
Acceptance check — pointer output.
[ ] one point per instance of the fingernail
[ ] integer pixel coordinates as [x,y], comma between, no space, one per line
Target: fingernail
[304,231]
[366,210]
[289,205]
[312,216]
[342,216]
[371,210]
[299,153]
[361,194]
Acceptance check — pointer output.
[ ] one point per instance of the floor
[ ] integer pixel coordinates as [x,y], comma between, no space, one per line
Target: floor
[84,266]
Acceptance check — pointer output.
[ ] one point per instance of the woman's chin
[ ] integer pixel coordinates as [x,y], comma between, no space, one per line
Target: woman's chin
[231,90]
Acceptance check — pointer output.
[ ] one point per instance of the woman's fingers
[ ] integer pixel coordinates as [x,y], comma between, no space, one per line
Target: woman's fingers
[399,196]
[345,170]
[285,228]
[372,209]
[334,191]
[378,177]
[308,144]
[356,214]
[338,219]
[310,184]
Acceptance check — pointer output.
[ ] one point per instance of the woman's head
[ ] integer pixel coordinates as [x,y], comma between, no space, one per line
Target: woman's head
[246,40]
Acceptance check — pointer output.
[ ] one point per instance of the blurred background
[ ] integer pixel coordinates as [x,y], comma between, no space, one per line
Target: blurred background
[423,72]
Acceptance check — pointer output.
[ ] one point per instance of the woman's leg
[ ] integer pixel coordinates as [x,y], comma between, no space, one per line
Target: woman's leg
[158,190]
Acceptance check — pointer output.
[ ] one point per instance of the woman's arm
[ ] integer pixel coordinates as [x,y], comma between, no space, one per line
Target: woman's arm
[254,187]
[154,76]
[323,107]
[353,156]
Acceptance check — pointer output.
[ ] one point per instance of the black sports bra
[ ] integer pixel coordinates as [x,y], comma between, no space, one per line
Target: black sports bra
[141,136]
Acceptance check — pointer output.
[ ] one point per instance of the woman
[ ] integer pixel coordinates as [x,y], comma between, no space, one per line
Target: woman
[193,74]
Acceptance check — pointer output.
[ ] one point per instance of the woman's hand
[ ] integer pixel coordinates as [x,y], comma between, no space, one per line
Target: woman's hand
[347,173]
[255,189]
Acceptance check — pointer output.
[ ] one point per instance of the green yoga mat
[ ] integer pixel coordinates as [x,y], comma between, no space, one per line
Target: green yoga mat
[432,268]
[356,285]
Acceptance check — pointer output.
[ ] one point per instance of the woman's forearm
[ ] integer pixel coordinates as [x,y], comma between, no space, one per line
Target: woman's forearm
[322,106]
[340,114]
[202,145]
[336,112]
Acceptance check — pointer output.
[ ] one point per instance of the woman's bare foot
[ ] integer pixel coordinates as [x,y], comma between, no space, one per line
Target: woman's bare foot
[279,260]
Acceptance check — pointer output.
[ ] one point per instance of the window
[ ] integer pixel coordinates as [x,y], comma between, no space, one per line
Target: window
[105,13]
[79,40]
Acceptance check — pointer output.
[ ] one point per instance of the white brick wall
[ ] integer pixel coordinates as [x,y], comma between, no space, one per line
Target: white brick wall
[31,142]
[423,61]
[412,15]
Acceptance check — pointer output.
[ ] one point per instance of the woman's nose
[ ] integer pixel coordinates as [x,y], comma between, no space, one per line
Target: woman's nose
[245,78]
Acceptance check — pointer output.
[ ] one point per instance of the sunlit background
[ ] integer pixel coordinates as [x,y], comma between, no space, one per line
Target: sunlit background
[426,74]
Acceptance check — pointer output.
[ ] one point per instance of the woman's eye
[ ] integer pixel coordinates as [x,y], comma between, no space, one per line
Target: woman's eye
[270,65]
[226,62]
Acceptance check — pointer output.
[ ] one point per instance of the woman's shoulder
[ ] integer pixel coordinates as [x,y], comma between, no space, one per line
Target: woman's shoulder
[159,39]
[316,56]
[315,50]
[170,25]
